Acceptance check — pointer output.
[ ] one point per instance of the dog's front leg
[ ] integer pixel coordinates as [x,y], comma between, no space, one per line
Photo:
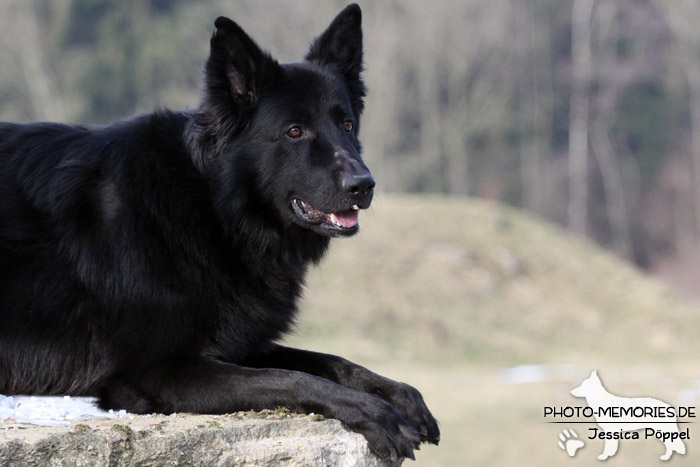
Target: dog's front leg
[609,449]
[201,385]
[407,400]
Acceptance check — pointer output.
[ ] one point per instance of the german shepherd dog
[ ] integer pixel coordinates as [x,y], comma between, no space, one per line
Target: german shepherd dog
[154,263]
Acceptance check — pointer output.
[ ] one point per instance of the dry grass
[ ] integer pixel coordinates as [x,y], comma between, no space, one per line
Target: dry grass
[441,279]
[445,293]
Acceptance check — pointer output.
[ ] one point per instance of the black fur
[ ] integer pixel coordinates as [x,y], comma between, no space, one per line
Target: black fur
[154,262]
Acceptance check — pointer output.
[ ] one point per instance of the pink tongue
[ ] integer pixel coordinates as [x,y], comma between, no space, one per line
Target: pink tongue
[347,218]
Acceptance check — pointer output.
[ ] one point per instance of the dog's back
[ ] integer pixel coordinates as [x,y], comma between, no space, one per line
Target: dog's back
[61,243]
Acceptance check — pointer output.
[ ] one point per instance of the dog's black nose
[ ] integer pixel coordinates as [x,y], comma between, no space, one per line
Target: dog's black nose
[358,185]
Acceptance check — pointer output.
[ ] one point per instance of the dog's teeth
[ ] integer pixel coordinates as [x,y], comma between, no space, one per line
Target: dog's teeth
[354,207]
[334,219]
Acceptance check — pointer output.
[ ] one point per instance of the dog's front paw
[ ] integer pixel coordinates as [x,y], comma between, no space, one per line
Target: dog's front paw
[388,435]
[408,401]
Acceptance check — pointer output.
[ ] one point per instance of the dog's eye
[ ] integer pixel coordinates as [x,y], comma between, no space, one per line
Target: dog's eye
[294,132]
[347,125]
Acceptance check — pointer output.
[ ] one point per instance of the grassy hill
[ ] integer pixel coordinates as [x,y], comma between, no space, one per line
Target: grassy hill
[450,295]
[453,296]
[442,280]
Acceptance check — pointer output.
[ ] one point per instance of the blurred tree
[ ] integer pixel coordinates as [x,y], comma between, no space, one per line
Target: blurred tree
[680,15]
[581,71]
[29,50]
[586,112]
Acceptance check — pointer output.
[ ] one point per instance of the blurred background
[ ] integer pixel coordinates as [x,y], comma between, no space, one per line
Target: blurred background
[539,211]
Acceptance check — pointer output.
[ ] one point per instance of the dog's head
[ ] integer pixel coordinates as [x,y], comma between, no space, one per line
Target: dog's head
[283,138]
[589,386]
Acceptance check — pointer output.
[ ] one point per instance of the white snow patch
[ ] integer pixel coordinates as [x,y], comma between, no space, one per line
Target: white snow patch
[53,411]
[524,374]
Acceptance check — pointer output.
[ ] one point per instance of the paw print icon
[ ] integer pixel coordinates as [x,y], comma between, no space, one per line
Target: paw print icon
[569,442]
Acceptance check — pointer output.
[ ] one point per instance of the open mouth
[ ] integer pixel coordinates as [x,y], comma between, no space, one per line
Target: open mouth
[342,222]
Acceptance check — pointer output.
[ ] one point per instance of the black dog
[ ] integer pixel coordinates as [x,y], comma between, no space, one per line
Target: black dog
[154,262]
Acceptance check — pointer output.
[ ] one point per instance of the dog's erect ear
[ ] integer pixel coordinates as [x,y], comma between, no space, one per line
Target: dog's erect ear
[341,44]
[340,47]
[236,65]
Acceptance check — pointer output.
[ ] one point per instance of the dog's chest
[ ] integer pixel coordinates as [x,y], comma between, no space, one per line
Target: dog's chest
[256,308]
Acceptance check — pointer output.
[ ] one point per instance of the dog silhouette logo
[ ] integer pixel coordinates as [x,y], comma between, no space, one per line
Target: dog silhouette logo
[622,418]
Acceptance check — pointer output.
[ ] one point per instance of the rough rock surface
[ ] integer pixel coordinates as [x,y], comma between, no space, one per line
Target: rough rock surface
[244,439]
